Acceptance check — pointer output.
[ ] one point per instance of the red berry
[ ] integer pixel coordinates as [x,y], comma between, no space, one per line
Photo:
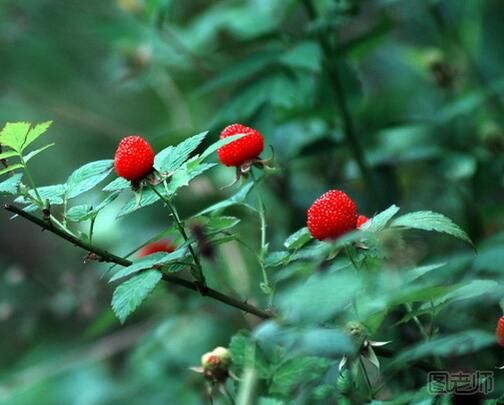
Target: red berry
[361,220]
[134,158]
[332,215]
[500,331]
[158,246]
[247,148]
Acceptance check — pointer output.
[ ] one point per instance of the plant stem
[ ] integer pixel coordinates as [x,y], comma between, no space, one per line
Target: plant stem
[417,321]
[31,181]
[108,257]
[341,101]
[265,285]
[198,271]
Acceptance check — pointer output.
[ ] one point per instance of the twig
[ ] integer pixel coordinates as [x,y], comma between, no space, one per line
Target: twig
[108,257]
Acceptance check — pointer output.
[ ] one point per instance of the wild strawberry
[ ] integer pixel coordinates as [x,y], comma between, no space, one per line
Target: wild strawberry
[243,150]
[499,332]
[134,158]
[332,215]
[361,220]
[157,246]
[215,365]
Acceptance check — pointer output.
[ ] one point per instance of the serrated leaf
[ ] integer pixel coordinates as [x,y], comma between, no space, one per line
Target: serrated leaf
[274,259]
[117,185]
[431,221]
[85,212]
[182,177]
[130,294]
[34,153]
[11,168]
[172,157]
[246,353]
[148,262]
[80,213]
[297,370]
[35,132]
[215,224]
[19,135]
[467,290]
[379,221]
[448,346]
[87,177]
[298,239]
[14,134]
[10,186]
[305,55]
[8,154]
[219,144]
[51,193]
[238,198]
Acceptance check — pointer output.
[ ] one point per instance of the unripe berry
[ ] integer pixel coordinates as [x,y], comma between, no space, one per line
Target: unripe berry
[243,150]
[332,215]
[134,158]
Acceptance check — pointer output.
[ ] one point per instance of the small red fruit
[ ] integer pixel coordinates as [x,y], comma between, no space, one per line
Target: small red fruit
[158,246]
[332,215]
[499,332]
[134,158]
[245,149]
[361,220]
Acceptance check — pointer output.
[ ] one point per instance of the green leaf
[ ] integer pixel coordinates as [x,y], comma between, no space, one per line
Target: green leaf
[448,346]
[238,198]
[216,224]
[10,186]
[87,177]
[35,132]
[19,135]
[430,221]
[182,177]
[130,294]
[14,134]
[171,158]
[247,353]
[298,239]
[51,193]
[118,184]
[471,289]
[8,154]
[305,55]
[219,144]
[148,262]
[11,168]
[34,153]
[80,213]
[379,221]
[296,371]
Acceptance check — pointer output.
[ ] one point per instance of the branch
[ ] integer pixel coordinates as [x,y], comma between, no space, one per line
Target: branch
[108,257]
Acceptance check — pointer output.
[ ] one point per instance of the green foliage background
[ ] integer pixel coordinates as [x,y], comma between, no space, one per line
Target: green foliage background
[423,82]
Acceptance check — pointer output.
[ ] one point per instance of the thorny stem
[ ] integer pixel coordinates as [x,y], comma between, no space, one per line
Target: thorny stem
[106,256]
[341,101]
[265,285]
[198,274]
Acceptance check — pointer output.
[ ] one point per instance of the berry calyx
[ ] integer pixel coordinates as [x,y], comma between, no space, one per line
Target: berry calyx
[361,220]
[332,215]
[157,246]
[242,151]
[499,332]
[134,158]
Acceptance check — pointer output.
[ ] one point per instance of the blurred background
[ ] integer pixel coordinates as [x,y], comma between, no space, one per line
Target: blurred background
[422,81]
